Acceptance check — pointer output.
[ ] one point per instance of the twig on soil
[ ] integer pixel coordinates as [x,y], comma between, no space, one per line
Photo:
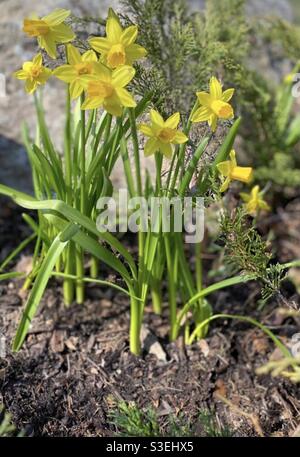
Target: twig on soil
[252,417]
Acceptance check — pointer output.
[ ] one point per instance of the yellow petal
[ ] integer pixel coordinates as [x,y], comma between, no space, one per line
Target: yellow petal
[227,95]
[102,72]
[66,73]
[224,168]
[76,89]
[213,122]
[255,192]
[113,30]
[243,174]
[225,185]
[112,14]
[232,156]
[47,42]
[62,33]
[215,88]
[156,118]
[101,45]
[56,17]
[125,97]
[129,35]
[121,76]
[151,146]
[134,52]
[173,121]
[112,107]
[166,149]
[145,129]
[38,59]
[245,197]
[27,66]
[264,205]
[252,207]
[74,56]
[89,56]
[204,98]
[44,75]
[92,103]
[179,138]
[201,114]
[30,86]
[20,74]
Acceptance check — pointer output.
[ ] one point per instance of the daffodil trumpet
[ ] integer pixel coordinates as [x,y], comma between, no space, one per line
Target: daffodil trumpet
[231,171]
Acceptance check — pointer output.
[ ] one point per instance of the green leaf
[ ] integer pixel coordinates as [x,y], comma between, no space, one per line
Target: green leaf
[16,251]
[14,194]
[293,135]
[44,273]
[227,144]
[192,166]
[268,332]
[11,275]
[72,215]
[94,247]
[209,290]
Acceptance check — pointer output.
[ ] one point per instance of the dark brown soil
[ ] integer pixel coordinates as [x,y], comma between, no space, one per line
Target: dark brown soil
[76,363]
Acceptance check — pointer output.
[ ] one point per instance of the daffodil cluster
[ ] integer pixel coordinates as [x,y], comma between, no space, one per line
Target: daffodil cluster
[102,73]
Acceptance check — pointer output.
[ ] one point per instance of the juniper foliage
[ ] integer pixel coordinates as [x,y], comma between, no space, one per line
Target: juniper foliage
[186,48]
[247,252]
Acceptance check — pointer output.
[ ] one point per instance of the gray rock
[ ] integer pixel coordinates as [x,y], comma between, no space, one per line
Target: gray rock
[280,8]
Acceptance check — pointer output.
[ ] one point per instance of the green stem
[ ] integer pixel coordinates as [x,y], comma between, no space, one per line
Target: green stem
[136,151]
[135,327]
[158,162]
[156,295]
[80,274]
[139,186]
[182,148]
[199,270]
[82,162]
[171,287]
[83,206]
[127,167]
[68,285]
[94,269]
[67,150]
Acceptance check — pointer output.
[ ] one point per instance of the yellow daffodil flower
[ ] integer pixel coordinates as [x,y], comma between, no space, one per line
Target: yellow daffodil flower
[118,47]
[289,78]
[231,171]
[49,30]
[163,134]
[78,72]
[254,201]
[214,105]
[33,73]
[108,89]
